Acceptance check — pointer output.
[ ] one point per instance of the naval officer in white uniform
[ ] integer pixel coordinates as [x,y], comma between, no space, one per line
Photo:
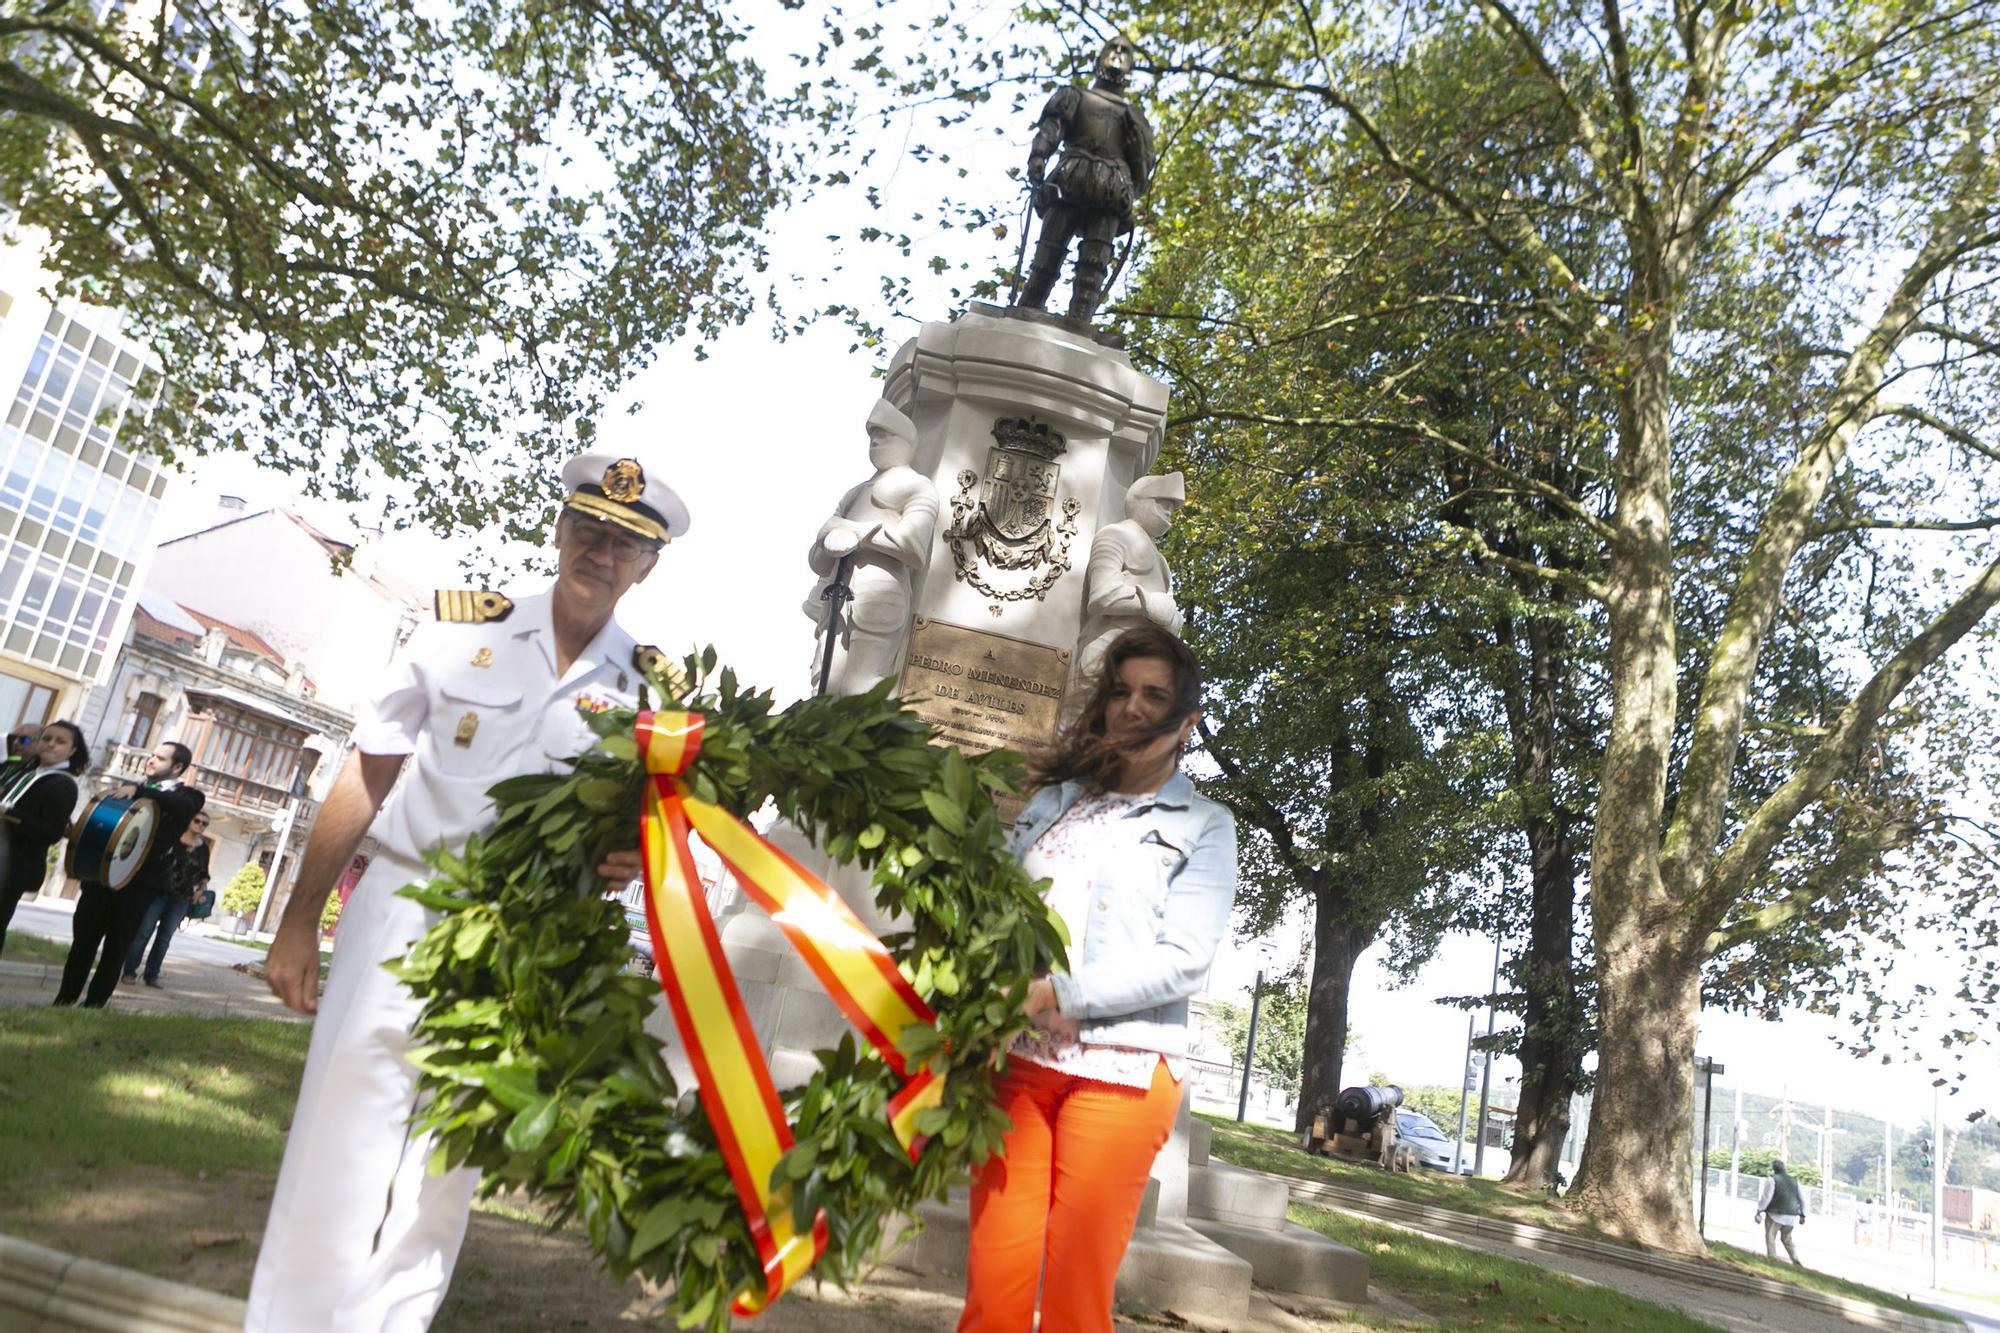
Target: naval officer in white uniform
[360,1237]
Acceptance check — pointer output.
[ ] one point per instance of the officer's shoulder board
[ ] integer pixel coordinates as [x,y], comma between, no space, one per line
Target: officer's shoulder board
[471,606]
[656,665]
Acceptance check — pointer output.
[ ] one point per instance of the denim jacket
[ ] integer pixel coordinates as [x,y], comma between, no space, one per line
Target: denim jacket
[1155,922]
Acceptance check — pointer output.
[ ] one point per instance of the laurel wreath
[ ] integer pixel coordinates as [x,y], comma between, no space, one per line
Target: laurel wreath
[531,1046]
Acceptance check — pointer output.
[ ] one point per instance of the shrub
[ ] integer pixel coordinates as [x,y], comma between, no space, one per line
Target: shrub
[240,895]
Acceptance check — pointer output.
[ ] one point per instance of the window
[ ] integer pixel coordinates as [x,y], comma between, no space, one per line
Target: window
[244,754]
[145,715]
[23,703]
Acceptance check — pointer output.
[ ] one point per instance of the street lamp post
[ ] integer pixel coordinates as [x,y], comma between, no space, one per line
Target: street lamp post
[1250,1048]
[1708,1069]
[1486,1066]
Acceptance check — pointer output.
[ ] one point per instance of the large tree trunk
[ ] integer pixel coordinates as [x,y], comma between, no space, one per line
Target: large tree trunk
[1648,972]
[1553,1024]
[1634,1177]
[1336,946]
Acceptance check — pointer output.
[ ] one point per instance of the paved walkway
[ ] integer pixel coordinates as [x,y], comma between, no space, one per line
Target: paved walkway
[201,974]
[1710,1301]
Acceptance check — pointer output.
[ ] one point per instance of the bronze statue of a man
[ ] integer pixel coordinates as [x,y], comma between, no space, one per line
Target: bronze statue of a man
[1106,164]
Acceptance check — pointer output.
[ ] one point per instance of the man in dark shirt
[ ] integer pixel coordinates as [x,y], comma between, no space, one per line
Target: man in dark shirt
[106,919]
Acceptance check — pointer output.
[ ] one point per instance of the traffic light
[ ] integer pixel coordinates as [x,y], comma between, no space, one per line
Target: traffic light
[1924,1147]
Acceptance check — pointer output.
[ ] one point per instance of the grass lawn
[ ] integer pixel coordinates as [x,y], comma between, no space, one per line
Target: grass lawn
[153,1142]
[1464,1289]
[25,948]
[1264,1148]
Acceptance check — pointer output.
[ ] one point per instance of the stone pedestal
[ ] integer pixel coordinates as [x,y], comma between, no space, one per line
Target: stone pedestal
[979,657]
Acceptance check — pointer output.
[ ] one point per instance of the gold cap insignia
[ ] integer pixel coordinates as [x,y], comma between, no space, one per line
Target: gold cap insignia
[624,481]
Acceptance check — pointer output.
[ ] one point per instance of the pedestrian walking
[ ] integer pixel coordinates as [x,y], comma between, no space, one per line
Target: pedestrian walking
[37,801]
[1143,873]
[106,919]
[187,875]
[1781,1206]
[361,1236]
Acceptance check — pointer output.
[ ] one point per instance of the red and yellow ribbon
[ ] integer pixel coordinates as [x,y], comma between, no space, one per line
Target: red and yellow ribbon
[852,965]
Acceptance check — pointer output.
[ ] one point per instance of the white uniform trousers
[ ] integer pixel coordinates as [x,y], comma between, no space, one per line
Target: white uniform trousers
[360,1237]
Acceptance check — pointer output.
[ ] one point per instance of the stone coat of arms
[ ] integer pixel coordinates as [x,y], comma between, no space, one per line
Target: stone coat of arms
[1012,519]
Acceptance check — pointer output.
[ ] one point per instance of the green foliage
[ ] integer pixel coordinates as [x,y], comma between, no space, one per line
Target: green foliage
[1757,1162]
[532,1037]
[1281,1032]
[329,913]
[241,894]
[358,235]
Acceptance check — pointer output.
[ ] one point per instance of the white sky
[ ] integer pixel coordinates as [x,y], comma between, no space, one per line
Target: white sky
[763,437]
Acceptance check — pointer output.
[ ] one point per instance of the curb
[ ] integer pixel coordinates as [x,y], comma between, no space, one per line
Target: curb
[52,1290]
[1527,1236]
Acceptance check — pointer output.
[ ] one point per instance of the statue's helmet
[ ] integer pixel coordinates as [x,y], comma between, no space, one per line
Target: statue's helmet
[1115,61]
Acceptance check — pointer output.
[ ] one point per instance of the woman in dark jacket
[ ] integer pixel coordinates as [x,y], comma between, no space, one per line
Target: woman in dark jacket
[37,801]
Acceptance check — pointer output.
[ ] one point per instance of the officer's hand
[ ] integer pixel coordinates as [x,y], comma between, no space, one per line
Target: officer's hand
[292,968]
[619,869]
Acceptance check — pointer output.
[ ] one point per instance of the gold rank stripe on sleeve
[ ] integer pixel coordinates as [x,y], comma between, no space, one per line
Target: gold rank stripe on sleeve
[471,606]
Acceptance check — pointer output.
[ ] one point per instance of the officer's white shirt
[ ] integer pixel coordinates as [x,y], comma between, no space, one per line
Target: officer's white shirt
[524,718]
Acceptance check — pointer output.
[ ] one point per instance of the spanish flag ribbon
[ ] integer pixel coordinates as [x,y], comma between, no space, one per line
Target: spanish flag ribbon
[708,1010]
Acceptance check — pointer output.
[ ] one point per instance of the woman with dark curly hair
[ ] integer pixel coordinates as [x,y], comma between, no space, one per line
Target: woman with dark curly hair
[37,801]
[1142,872]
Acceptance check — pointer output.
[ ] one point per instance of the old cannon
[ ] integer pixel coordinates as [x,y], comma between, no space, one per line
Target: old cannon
[1361,1126]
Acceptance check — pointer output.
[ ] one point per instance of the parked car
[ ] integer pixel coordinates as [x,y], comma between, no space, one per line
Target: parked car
[1432,1147]
[642,942]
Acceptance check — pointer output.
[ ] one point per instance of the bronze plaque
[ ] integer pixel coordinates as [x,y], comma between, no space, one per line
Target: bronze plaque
[984,691]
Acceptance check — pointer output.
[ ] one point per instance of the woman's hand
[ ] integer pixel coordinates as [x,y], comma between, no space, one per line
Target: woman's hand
[1045,1011]
[619,869]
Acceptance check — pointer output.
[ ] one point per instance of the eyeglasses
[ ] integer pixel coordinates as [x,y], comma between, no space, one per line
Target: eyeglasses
[592,533]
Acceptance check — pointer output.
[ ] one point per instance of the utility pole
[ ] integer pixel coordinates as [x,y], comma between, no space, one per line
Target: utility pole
[1464,1094]
[1250,1048]
[1736,1142]
[1937,1185]
[1486,1066]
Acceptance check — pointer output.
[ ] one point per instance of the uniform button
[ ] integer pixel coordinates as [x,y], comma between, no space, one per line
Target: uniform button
[1103,904]
[1166,860]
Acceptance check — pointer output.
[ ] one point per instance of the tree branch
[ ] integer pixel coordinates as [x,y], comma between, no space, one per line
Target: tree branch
[1787,524]
[1837,753]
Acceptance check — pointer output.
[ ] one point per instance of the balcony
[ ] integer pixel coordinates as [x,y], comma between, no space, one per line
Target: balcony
[226,793]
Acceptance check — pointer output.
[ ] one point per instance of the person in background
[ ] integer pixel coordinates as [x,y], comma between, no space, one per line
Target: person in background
[1781,1206]
[187,872]
[1143,873]
[21,744]
[110,917]
[37,801]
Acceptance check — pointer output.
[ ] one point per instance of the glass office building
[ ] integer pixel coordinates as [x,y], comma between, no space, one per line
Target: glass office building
[76,508]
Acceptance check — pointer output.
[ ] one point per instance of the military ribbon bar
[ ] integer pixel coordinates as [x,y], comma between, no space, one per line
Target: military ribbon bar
[735,1083]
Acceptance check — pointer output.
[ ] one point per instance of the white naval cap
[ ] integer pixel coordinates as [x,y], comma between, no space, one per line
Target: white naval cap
[618,490]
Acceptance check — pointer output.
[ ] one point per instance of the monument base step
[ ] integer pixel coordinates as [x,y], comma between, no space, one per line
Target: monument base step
[1167,1267]
[1296,1260]
[1240,1198]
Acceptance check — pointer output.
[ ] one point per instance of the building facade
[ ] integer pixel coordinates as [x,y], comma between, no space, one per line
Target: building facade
[265,748]
[77,500]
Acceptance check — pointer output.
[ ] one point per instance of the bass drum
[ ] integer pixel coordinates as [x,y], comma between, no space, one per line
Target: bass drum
[110,842]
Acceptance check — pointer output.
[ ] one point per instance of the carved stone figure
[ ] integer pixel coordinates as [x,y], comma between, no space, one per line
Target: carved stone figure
[1106,164]
[881,531]
[1127,582]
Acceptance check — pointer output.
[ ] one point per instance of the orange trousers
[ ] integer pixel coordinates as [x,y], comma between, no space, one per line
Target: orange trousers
[1058,1202]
